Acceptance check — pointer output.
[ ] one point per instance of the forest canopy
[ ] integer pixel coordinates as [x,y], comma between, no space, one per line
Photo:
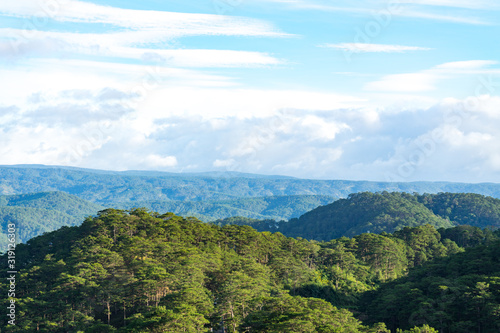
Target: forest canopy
[139,271]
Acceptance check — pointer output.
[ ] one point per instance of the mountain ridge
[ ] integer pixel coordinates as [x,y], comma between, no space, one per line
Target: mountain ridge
[109,187]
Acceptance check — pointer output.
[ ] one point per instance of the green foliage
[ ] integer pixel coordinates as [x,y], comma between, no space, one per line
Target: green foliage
[465,208]
[468,236]
[144,272]
[390,212]
[297,314]
[422,329]
[458,293]
[138,271]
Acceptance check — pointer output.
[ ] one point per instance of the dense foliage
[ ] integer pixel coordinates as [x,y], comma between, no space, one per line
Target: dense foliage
[465,208]
[145,272]
[456,294]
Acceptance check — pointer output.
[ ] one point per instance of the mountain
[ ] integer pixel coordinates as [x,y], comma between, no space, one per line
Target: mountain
[361,213]
[34,214]
[110,188]
[386,212]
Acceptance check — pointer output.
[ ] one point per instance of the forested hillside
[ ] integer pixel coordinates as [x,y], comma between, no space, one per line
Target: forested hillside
[465,208]
[60,201]
[460,293]
[142,272]
[361,213]
[385,212]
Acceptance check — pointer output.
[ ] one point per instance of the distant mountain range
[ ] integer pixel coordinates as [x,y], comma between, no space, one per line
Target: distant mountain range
[109,188]
[44,198]
[37,213]
[278,208]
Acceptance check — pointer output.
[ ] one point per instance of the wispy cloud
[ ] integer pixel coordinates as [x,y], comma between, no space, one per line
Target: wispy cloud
[160,23]
[426,80]
[469,4]
[419,9]
[457,18]
[374,48]
[118,45]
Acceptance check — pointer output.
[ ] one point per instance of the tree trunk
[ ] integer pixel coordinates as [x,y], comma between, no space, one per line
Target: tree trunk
[109,310]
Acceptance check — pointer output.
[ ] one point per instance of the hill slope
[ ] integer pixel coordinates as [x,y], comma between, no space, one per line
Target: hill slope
[363,212]
[465,208]
[162,273]
[37,213]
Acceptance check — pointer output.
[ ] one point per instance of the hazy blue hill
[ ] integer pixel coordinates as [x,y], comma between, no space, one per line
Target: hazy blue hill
[110,188]
[31,222]
[60,201]
[274,207]
[37,213]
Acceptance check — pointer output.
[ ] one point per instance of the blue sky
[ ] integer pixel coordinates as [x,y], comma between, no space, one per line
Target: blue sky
[368,90]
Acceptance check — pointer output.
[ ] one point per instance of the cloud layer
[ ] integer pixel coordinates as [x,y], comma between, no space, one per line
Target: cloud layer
[453,138]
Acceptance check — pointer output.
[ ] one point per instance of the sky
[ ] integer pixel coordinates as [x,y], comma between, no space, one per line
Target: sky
[381,90]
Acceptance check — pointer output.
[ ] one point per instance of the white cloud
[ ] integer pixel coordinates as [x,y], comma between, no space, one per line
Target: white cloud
[54,75]
[444,17]
[350,143]
[320,129]
[368,48]
[162,24]
[238,103]
[427,80]
[114,46]
[224,163]
[420,9]
[470,4]
[466,65]
[155,161]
